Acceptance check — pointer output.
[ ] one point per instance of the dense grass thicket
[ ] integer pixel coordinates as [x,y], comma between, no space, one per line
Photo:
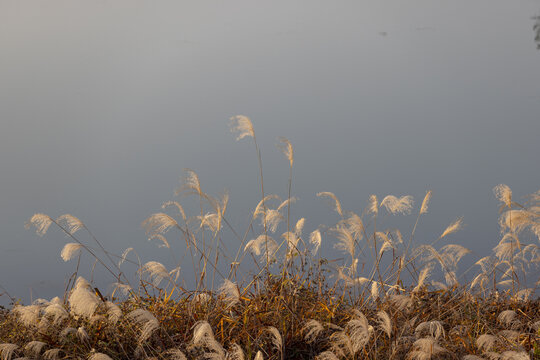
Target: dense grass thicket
[388,298]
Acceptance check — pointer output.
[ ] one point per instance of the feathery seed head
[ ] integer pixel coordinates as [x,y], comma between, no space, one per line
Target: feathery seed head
[384,322]
[503,194]
[41,222]
[326,355]
[395,205]
[70,250]
[70,223]
[425,203]
[52,354]
[148,322]
[434,328]
[299,227]
[202,333]
[236,352]
[452,228]
[507,317]
[373,206]
[7,350]
[260,245]
[177,205]
[230,293]
[176,354]
[164,242]
[242,125]
[337,204]
[158,223]
[99,356]
[82,300]
[287,149]
[315,239]
[486,342]
[34,347]
[114,312]
[57,311]
[28,315]
[277,341]
[156,271]
[312,328]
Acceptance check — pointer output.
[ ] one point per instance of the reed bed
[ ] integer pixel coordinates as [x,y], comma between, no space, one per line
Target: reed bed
[388,298]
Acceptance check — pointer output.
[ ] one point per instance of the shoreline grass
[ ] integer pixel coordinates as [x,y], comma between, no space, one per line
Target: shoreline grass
[386,299]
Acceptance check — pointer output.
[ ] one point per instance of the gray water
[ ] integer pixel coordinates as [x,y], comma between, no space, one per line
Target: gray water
[103,103]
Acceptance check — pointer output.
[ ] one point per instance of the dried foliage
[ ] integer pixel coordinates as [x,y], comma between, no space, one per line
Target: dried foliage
[386,298]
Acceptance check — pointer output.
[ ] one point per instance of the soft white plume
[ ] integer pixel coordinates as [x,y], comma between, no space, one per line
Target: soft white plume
[242,125]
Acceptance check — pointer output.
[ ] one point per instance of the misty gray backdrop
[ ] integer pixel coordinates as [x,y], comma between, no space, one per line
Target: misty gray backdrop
[103,103]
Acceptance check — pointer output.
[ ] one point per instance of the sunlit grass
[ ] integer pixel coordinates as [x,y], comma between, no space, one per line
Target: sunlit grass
[387,298]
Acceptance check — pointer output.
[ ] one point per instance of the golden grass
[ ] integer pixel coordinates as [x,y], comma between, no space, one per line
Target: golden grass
[387,299]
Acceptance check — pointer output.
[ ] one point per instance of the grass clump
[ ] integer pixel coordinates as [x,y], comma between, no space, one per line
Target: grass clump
[276,298]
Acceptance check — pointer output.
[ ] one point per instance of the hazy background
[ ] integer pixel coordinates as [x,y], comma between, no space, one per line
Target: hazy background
[103,103]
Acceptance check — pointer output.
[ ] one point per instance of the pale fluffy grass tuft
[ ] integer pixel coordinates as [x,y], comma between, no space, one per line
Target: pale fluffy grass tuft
[373,205]
[242,125]
[259,246]
[236,352]
[52,354]
[158,223]
[28,315]
[395,205]
[7,350]
[401,301]
[70,223]
[259,356]
[114,312]
[312,328]
[434,328]
[486,342]
[508,317]
[425,348]
[287,149]
[41,222]
[425,202]
[177,205]
[514,355]
[315,239]
[148,322]
[424,274]
[70,250]
[34,347]
[503,194]
[99,356]
[337,204]
[202,332]
[162,239]
[156,271]
[452,228]
[176,354]
[82,300]
[327,355]
[229,292]
[345,240]
[277,340]
[385,323]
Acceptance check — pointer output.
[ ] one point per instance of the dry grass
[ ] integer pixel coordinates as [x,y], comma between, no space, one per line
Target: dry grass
[403,302]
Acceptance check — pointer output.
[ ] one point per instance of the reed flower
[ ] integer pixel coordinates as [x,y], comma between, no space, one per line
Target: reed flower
[70,250]
[82,301]
[395,205]
[242,125]
[41,222]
